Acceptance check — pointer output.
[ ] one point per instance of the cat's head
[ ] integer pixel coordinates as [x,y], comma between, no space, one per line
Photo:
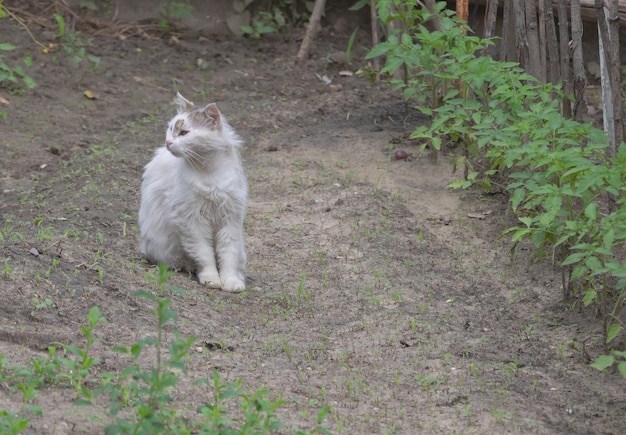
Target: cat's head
[196,131]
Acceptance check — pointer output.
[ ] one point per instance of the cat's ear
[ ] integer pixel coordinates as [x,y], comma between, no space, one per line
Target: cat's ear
[184,105]
[214,116]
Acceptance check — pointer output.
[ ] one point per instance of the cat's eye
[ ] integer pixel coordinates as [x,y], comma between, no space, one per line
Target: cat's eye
[183,132]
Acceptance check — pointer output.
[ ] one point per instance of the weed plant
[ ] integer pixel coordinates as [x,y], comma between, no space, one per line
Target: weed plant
[139,399]
[75,45]
[13,77]
[174,12]
[513,137]
[273,16]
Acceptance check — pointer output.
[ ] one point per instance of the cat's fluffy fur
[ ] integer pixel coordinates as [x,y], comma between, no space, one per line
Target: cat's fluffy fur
[193,199]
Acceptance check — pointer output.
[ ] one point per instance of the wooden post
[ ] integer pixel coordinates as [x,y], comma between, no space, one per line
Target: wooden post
[580,80]
[535,63]
[615,69]
[509,35]
[311,30]
[610,75]
[523,51]
[553,71]
[541,21]
[462,10]
[375,37]
[435,20]
[491,16]
[564,49]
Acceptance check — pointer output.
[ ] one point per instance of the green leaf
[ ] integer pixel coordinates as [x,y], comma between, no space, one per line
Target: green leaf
[436,142]
[539,238]
[359,5]
[83,402]
[94,316]
[30,83]
[603,362]
[593,263]
[574,258]
[426,110]
[621,367]
[518,196]
[608,238]
[459,184]
[28,61]
[612,332]
[620,353]
[380,49]
[60,24]
[591,211]
[406,40]
[7,47]
[590,296]
[247,29]
[34,409]
[578,272]
[519,233]
[144,294]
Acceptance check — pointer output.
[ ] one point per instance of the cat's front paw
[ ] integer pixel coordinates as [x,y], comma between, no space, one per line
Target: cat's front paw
[233,284]
[210,279]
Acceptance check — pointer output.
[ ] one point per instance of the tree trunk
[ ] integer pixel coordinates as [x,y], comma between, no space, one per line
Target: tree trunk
[564,48]
[580,80]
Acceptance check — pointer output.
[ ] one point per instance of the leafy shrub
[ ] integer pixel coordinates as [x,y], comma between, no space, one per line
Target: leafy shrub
[273,16]
[12,77]
[75,45]
[512,135]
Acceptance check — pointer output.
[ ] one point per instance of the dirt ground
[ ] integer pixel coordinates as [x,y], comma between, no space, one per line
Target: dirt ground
[371,287]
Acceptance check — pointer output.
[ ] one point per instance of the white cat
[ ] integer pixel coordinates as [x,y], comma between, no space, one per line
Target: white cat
[193,199]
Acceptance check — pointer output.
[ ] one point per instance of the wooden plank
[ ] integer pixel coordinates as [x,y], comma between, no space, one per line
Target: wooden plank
[587,9]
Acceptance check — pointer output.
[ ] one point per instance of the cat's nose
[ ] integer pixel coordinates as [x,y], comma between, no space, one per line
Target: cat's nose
[168,143]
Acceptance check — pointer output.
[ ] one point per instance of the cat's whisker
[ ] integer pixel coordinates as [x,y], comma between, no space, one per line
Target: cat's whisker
[199,158]
[195,160]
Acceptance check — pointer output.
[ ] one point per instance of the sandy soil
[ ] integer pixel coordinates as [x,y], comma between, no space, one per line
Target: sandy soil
[372,288]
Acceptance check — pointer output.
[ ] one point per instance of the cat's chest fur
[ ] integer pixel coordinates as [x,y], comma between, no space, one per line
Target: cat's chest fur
[208,193]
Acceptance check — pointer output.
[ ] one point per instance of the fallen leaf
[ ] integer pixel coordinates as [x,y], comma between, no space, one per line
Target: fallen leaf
[89,94]
[4,101]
